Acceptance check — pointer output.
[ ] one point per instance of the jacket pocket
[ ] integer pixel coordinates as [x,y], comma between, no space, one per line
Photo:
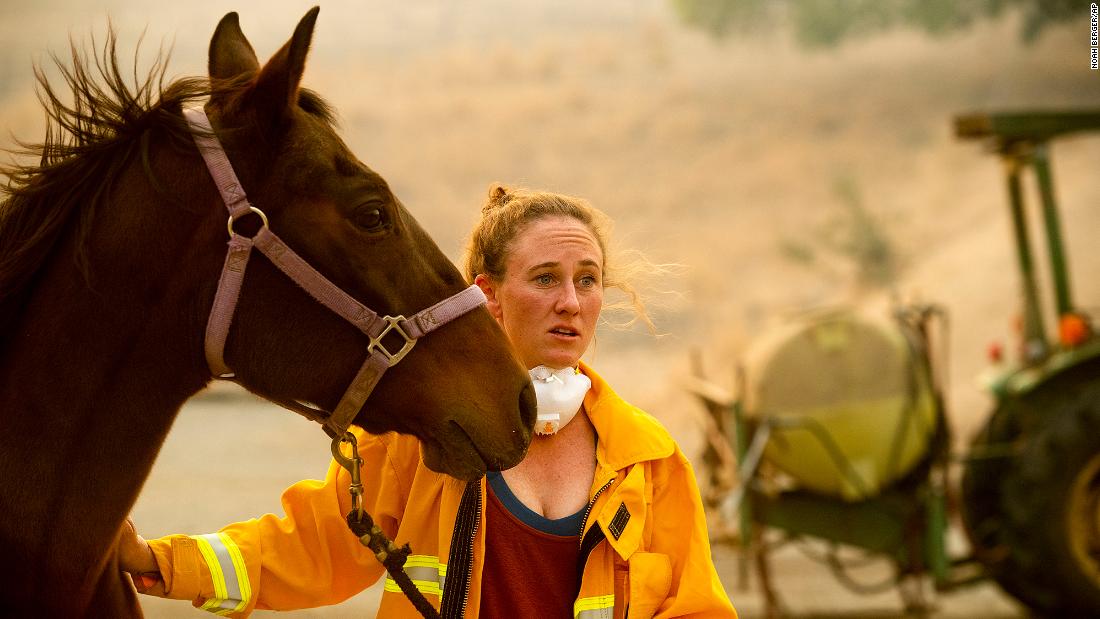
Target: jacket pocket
[650,580]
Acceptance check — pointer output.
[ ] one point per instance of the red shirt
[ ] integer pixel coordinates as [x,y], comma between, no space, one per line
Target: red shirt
[528,572]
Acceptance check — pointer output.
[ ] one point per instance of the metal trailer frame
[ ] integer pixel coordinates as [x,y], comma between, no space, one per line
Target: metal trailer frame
[908,523]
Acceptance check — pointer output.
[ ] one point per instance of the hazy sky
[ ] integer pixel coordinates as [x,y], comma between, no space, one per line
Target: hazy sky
[29,28]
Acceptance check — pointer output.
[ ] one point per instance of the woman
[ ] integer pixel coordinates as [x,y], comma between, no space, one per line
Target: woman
[602,515]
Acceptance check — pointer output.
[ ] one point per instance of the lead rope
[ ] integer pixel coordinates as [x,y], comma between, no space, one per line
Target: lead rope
[371,535]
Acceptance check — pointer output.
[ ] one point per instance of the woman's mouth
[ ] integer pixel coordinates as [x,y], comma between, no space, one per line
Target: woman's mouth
[564,332]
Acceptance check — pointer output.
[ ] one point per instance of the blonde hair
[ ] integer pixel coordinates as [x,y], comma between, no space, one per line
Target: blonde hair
[507,212]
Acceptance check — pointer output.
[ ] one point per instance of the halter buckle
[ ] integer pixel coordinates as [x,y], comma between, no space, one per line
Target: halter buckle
[393,323]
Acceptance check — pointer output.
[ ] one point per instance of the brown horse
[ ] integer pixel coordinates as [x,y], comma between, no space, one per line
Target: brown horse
[110,252]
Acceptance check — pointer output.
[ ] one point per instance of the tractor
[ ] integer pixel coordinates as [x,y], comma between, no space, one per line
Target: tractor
[837,429]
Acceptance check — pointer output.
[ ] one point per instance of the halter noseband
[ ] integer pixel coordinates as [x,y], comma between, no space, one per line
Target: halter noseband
[379,358]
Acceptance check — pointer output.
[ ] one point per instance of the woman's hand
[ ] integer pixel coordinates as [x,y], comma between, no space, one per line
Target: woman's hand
[136,557]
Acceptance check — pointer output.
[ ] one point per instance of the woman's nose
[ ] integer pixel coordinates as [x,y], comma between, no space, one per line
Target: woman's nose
[568,303]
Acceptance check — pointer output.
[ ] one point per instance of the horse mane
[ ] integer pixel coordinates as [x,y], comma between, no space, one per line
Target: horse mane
[88,143]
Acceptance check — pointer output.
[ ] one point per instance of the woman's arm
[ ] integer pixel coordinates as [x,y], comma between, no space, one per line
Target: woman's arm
[680,532]
[307,557]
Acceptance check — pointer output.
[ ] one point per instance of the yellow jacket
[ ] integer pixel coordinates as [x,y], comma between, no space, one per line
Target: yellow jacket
[645,527]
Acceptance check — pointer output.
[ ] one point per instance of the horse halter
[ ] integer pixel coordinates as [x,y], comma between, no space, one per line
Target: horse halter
[376,327]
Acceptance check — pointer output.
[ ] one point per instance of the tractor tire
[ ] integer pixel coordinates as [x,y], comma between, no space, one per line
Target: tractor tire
[1049,538]
[983,474]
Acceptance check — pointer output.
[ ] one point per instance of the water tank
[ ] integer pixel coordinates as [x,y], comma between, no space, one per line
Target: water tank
[849,400]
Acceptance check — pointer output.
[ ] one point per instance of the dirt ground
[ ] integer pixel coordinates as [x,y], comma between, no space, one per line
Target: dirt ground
[229,457]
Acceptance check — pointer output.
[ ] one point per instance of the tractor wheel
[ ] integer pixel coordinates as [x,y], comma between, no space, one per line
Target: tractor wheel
[1050,535]
[982,495]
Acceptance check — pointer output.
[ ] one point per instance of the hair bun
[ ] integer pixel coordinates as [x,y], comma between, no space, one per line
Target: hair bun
[499,196]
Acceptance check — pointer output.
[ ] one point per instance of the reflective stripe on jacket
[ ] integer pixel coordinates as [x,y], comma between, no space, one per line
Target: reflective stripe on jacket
[645,533]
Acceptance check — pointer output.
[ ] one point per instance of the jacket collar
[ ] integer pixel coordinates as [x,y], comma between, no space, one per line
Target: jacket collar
[627,435]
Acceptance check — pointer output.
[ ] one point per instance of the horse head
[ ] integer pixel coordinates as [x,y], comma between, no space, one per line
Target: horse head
[461,391]
[110,249]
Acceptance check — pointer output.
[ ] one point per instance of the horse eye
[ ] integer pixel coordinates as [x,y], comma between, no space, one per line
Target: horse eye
[370,218]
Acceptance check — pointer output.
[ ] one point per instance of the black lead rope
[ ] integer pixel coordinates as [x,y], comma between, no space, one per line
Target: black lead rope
[391,557]
[371,535]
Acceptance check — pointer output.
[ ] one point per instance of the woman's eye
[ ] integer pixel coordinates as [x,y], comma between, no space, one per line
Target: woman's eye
[588,281]
[545,279]
[370,218]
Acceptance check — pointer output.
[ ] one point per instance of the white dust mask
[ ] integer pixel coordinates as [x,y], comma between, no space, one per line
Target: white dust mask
[559,394]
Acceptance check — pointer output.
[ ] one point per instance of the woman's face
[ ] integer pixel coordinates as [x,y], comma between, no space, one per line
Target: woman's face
[552,292]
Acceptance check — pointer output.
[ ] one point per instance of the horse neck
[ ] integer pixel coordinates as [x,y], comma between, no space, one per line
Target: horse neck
[99,367]
[137,314]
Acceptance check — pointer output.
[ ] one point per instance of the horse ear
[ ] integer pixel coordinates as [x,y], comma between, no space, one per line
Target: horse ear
[230,52]
[276,89]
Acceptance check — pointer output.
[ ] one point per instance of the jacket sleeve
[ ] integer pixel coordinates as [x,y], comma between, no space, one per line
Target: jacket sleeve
[680,532]
[306,558]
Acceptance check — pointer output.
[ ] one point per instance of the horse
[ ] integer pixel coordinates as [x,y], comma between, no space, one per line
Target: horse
[111,245]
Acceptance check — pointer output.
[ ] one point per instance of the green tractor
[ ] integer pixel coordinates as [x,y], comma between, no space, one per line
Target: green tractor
[839,430]
[1031,485]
